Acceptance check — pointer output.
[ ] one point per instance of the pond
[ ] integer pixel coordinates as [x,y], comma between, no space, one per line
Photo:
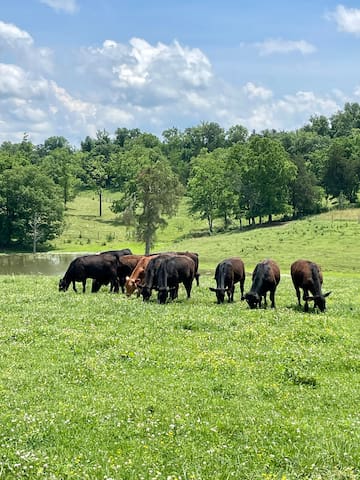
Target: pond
[36,264]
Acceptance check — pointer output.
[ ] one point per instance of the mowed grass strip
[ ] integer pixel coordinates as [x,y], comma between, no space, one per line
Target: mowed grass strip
[100,386]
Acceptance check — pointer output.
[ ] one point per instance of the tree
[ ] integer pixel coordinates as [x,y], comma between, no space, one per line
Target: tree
[341,170]
[211,186]
[266,176]
[62,166]
[31,210]
[305,194]
[344,121]
[152,193]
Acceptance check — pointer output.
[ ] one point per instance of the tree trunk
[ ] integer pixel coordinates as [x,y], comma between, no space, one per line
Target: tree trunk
[210,223]
[147,245]
[100,202]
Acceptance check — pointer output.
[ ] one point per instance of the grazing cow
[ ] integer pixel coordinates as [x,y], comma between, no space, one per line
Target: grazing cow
[265,278]
[193,255]
[172,271]
[150,280]
[101,268]
[126,264]
[307,275]
[227,273]
[117,253]
[134,280]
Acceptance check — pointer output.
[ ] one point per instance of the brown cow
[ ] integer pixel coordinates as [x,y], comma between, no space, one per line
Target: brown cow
[133,281]
[308,276]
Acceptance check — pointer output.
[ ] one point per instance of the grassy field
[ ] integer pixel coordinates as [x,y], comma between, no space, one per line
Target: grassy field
[100,386]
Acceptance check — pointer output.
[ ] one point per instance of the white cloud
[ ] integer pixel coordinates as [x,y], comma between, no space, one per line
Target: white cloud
[165,69]
[274,45]
[347,19]
[20,46]
[68,6]
[14,36]
[254,91]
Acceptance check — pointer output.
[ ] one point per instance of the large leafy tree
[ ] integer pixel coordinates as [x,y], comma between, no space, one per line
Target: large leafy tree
[63,167]
[266,175]
[341,172]
[31,210]
[305,193]
[151,191]
[211,186]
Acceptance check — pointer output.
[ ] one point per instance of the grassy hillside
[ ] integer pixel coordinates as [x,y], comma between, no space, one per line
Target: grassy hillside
[332,239]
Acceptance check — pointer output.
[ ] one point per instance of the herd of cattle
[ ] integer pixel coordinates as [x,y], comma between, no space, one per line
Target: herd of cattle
[163,272]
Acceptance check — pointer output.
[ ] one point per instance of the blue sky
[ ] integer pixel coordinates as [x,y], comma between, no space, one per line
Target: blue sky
[72,67]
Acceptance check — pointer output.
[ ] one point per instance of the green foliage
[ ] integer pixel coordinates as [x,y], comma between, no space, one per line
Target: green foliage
[266,174]
[30,206]
[151,192]
[212,187]
[101,386]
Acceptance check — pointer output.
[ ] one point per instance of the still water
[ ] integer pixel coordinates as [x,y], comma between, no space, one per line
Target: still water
[36,264]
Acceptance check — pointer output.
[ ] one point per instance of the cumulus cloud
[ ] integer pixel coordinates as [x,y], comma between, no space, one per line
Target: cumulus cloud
[346,19]
[254,91]
[164,70]
[19,45]
[273,45]
[68,6]
[136,84]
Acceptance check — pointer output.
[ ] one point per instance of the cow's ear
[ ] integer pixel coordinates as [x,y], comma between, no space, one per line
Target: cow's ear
[137,281]
[327,294]
[212,289]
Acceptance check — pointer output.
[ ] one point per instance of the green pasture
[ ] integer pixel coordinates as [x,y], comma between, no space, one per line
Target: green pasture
[100,386]
[331,239]
[105,387]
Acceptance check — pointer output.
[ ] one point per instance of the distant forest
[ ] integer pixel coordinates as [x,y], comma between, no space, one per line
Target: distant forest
[235,175]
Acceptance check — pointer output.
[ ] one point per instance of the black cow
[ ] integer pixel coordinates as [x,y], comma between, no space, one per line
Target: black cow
[308,276]
[193,255]
[126,264]
[172,271]
[150,280]
[102,268]
[265,278]
[117,253]
[227,273]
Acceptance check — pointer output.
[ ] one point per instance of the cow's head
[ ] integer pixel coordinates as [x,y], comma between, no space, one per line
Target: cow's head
[319,301]
[130,286]
[253,299]
[220,293]
[63,286]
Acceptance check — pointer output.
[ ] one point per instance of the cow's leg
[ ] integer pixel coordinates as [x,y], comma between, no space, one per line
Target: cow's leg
[188,286]
[231,293]
[265,301]
[197,275]
[84,285]
[242,289]
[74,286]
[306,304]
[272,298]
[297,289]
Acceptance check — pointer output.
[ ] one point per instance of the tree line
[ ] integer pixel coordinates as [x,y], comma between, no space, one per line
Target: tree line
[233,174]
